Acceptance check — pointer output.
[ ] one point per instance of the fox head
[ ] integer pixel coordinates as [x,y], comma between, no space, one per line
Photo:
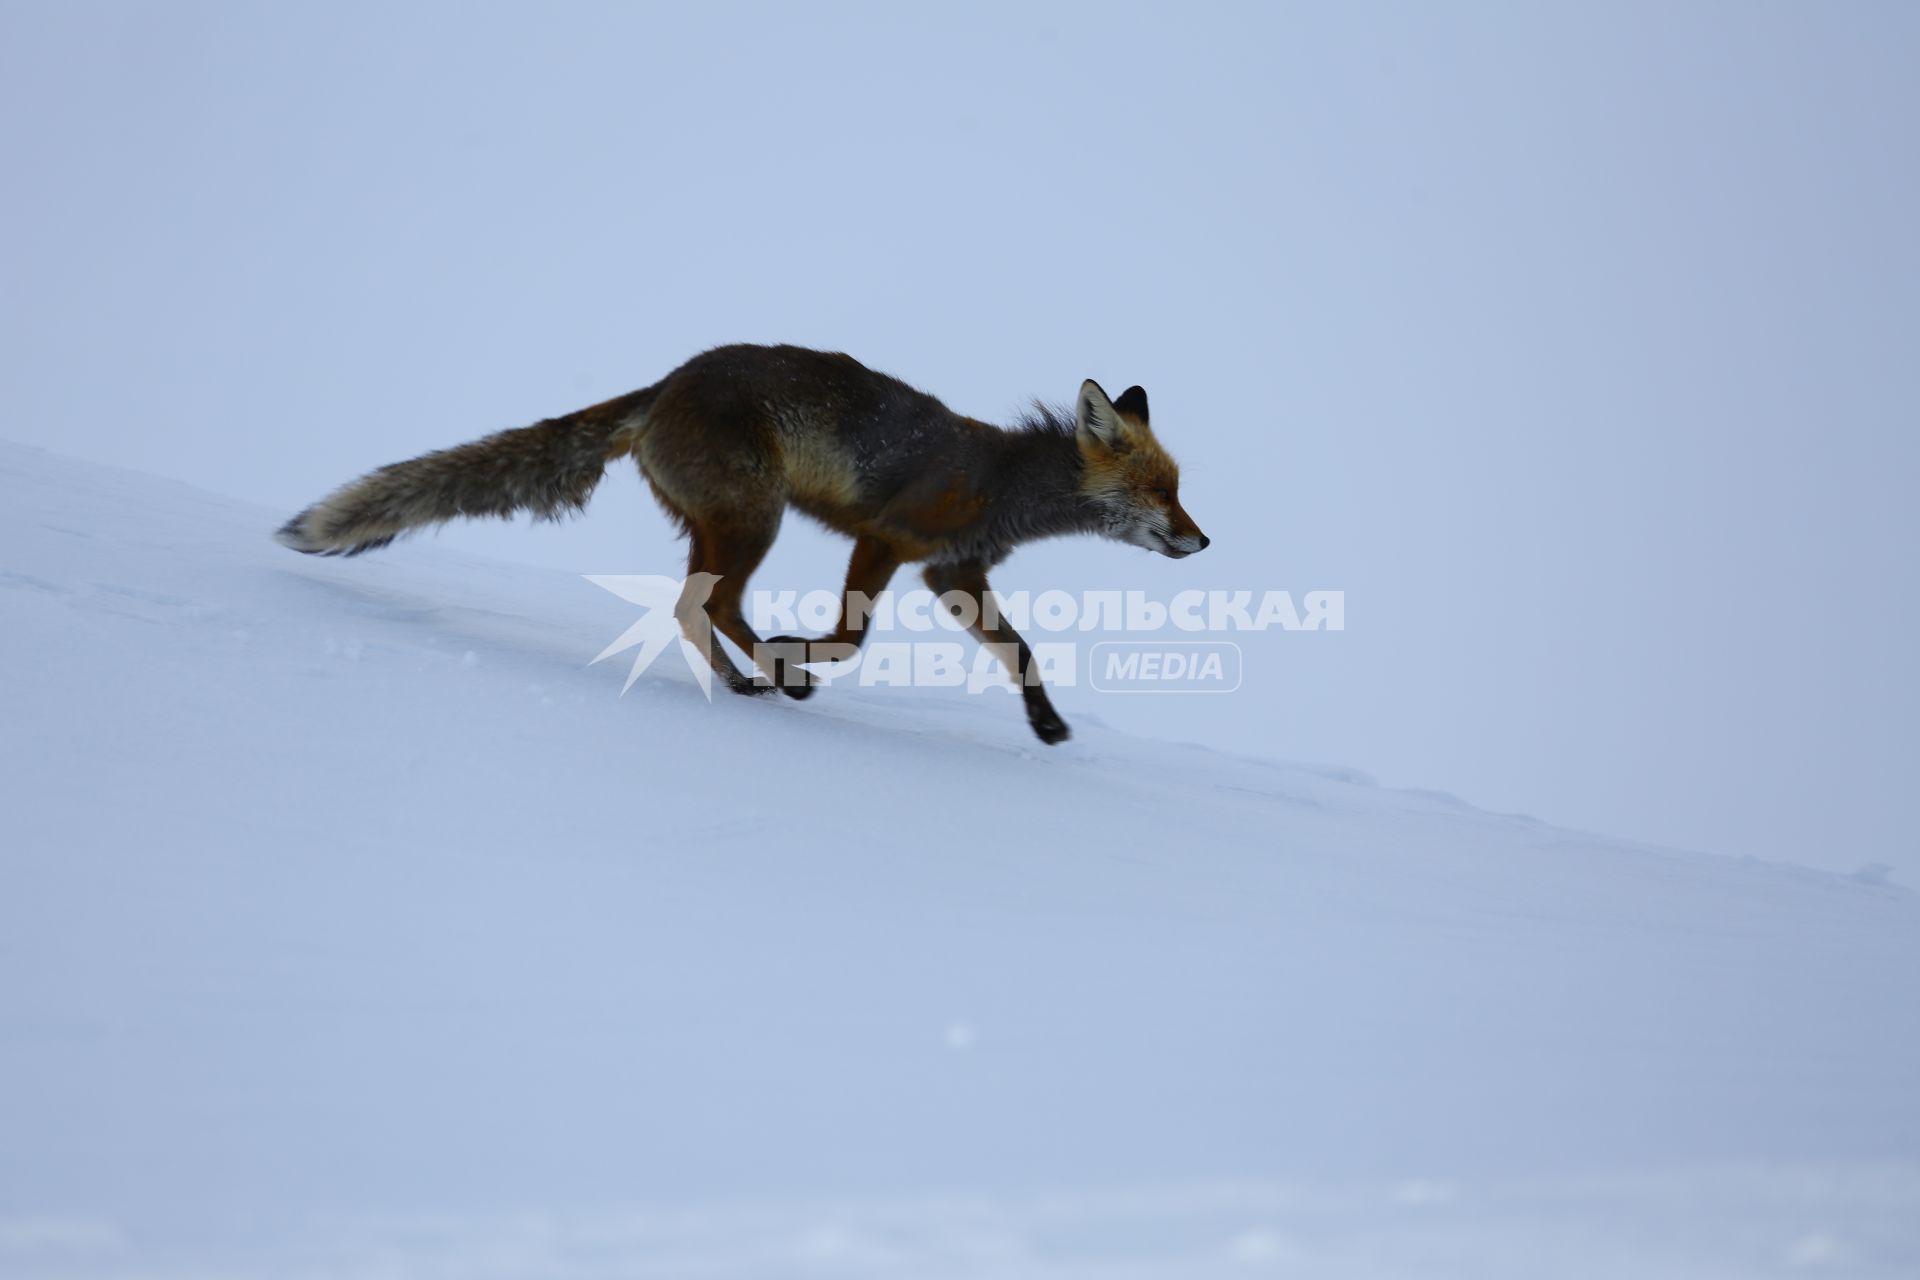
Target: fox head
[1128,477]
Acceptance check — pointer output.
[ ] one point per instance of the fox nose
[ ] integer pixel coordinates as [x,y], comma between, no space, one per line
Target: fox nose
[1205,542]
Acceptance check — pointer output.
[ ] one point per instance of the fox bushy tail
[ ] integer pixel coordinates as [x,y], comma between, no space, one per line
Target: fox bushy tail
[549,469]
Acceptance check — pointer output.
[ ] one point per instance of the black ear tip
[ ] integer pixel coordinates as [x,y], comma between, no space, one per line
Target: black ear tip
[1133,401]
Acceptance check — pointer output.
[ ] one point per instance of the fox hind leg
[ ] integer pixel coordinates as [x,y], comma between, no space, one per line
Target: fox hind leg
[695,623]
[731,548]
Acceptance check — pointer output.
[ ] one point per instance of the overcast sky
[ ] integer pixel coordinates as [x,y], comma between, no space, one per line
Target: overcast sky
[1576,344]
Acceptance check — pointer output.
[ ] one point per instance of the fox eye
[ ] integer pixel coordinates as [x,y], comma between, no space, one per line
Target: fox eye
[1165,495]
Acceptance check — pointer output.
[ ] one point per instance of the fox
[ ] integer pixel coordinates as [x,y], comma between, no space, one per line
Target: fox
[737,435]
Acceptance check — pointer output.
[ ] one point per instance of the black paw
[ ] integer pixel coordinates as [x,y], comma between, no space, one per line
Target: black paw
[793,680]
[1049,727]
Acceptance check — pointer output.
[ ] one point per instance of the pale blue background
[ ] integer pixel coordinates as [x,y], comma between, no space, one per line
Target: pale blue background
[1576,343]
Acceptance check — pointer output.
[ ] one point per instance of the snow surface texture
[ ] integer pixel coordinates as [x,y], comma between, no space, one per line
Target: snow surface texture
[352,926]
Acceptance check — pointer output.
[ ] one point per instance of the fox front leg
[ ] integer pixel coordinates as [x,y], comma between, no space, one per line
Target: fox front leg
[1004,643]
[868,571]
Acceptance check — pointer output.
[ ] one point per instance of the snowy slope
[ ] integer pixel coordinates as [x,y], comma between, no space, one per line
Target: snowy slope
[352,925]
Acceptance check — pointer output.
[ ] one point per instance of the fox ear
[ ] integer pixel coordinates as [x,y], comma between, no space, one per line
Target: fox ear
[1133,403]
[1098,420]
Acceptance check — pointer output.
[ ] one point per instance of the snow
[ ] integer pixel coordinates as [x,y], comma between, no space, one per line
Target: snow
[353,925]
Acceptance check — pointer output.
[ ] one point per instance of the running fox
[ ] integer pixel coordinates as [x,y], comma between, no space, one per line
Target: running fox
[733,437]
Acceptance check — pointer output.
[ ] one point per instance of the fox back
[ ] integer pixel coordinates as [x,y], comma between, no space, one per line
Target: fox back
[866,454]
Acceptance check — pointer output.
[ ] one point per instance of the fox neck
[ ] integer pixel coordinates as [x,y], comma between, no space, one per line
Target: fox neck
[1036,494]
